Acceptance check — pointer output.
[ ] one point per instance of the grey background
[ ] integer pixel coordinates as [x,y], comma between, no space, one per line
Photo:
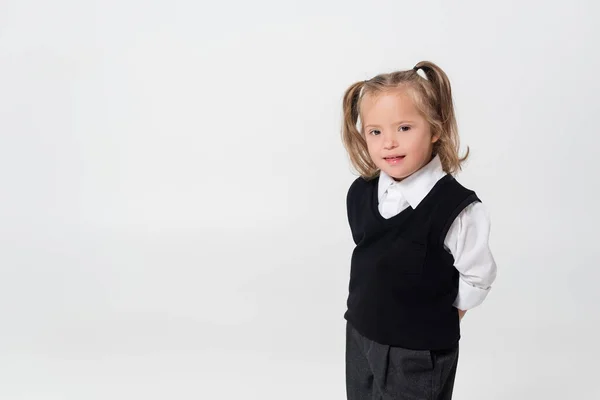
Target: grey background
[172,208]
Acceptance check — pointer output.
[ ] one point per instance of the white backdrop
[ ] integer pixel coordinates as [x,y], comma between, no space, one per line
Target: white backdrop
[172,205]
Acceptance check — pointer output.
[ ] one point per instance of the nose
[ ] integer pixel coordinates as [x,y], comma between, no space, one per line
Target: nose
[389,141]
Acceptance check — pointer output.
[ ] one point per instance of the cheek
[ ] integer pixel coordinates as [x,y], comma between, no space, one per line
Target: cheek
[372,145]
[417,141]
[420,144]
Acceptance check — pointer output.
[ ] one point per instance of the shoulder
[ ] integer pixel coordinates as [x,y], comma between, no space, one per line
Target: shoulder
[455,206]
[359,194]
[360,185]
[457,186]
[456,195]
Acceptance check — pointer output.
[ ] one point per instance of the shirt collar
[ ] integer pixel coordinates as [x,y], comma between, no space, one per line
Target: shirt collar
[415,187]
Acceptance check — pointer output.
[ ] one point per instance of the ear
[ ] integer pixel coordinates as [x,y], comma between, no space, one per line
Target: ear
[435,138]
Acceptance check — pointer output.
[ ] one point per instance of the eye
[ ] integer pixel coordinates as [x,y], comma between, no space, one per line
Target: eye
[372,132]
[404,128]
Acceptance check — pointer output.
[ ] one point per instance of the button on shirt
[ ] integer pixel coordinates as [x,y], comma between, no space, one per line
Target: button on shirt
[468,236]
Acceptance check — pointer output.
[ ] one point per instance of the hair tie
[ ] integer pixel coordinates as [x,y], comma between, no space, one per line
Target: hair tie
[419,71]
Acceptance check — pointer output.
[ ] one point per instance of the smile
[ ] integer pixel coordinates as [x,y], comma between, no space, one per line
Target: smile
[393,159]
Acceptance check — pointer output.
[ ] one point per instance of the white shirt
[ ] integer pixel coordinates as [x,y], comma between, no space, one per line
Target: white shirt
[467,238]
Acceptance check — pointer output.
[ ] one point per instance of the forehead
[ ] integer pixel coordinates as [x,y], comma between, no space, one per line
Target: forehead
[395,103]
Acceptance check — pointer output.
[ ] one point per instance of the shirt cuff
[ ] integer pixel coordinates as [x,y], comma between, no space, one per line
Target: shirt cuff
[469,296]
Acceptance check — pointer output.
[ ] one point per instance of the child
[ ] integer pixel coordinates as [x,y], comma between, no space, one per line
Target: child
[422,256]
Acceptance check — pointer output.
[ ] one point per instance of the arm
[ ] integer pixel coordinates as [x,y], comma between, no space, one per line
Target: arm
[468,242]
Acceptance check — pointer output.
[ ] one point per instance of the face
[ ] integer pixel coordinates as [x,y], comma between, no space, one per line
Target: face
[398,138]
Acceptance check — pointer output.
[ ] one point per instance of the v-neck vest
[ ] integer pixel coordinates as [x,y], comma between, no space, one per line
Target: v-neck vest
[402,280]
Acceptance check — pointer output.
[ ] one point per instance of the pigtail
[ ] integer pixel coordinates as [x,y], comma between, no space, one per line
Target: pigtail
[353,140]
[448,145]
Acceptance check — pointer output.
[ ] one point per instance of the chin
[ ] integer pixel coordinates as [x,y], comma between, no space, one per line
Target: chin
[399,172]
[400,177]
[396,174]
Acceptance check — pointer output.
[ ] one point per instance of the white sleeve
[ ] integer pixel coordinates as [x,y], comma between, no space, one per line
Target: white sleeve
[467,241]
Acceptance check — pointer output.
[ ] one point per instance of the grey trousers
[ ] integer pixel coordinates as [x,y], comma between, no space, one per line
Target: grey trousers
[376,371]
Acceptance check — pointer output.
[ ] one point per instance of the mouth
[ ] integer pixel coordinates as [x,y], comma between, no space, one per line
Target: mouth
[394,159]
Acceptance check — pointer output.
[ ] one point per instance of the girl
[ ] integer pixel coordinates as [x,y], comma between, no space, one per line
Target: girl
[422,256]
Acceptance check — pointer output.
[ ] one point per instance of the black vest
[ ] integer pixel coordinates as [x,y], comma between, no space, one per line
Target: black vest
[402,280]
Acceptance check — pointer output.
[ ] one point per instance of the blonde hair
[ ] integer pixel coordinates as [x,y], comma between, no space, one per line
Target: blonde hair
[432,96]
